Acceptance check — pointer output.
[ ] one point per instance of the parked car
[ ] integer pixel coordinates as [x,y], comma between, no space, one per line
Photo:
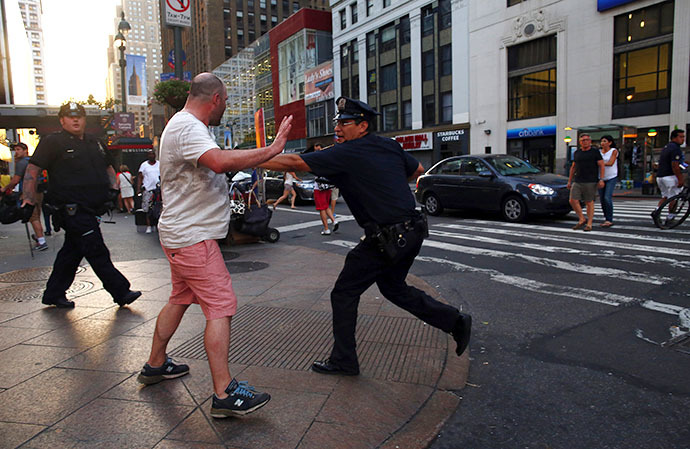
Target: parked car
[495,183]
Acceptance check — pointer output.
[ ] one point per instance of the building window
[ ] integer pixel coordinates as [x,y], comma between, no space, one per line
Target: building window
[387,36]
[446,60]
[371,44]
[428,65]
[444,19]
[371,82]
[390,117]
[343,19]
[386,3]
[344,55]
[428,111]
[295,7]
[405,72]
[532,79]
[353,13]
[345,87]
[427,21]
[642,73]
[355,86]
[389,77]
[370,7]
[446,107]
[404,30]
[407,115]
[514,2]
[319,121]
[354,49]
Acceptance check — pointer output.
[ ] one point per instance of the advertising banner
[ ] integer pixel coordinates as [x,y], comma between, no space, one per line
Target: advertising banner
[135,79]
[187,76]
[177,13]
[318,83]
[413,142]
[603,5]
[123,121]
[260,129]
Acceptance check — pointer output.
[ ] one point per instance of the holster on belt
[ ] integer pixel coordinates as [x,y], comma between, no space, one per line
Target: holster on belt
[392,239]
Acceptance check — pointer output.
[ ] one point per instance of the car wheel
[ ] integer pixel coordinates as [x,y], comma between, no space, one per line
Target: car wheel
[514,209]
[433,205]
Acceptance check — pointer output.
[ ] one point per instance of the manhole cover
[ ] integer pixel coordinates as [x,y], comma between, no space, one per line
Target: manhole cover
[34,290]
[30,274]
[292,339]
[229,255]
[245,267]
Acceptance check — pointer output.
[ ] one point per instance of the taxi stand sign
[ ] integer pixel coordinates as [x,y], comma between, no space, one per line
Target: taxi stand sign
[177,13]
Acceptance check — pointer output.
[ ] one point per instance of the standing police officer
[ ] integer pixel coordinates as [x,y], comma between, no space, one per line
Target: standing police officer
[81,179]
[372,173]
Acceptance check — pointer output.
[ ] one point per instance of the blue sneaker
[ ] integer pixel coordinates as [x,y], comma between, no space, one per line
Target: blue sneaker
[242,399]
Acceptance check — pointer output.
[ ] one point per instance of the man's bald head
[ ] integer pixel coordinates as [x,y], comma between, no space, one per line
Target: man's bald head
[205,85]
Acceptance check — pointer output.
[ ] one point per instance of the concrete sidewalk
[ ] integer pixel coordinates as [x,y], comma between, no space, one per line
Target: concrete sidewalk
[68,377]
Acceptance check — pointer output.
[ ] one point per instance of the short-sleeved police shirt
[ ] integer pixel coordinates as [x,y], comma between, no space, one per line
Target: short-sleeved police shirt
[372,174]
[586,166]
[77,169]
[671,153]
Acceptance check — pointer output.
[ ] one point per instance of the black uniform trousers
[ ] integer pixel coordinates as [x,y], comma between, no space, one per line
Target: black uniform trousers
[365,265]
[83,239]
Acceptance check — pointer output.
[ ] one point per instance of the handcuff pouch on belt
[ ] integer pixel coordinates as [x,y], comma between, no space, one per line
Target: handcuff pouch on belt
[392,239]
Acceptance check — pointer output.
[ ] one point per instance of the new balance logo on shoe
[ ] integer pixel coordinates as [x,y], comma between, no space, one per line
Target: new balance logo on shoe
[239,402]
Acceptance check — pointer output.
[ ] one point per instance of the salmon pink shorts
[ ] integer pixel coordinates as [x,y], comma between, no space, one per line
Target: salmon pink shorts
[199,276]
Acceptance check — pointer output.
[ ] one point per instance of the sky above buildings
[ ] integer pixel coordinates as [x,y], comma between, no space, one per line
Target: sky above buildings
[75,34]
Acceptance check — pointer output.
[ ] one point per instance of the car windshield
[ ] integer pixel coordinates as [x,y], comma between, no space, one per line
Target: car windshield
[510,166]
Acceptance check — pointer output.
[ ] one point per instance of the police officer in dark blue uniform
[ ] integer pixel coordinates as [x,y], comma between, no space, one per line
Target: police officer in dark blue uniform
[81,183]
[372,173]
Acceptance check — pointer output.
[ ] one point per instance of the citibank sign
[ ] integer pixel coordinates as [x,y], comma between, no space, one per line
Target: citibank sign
[536,131]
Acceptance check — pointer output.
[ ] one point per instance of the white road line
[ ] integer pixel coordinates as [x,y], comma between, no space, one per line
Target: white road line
[611,299]
[579,231]
[552,263]
[572,240]
[312,224]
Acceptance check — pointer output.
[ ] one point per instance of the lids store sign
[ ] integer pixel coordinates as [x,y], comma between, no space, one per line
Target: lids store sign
[412,142]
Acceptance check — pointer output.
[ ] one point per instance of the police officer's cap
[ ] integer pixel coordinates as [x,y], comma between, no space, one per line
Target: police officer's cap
[72,109]
[353,109]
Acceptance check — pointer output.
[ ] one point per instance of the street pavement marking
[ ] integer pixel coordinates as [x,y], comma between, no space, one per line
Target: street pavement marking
[553,263]
[574,240]
[611,299]
[579,231]
[312,224]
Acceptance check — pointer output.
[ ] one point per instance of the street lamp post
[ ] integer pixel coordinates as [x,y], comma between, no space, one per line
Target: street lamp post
[122,29]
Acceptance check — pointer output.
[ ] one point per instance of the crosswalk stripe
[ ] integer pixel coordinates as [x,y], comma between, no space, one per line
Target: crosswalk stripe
[564,229]
[611,299]
[311,224]
[553,263]
[572,240]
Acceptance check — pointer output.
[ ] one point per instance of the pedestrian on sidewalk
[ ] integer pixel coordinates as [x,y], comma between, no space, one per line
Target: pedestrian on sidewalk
[81,187]
[669,176]
[21,162]
[147,183]
[587,172]
[196,213]
[609,154]
[372,173]
[126,186]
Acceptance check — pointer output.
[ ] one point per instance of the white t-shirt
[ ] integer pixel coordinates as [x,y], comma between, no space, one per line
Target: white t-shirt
[196,203]
[152,174]
[611,171]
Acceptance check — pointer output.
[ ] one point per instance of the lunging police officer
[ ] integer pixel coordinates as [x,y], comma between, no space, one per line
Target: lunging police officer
[372,173]
[81,182]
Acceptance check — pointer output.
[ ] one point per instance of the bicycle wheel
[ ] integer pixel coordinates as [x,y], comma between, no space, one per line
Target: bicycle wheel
[669,218]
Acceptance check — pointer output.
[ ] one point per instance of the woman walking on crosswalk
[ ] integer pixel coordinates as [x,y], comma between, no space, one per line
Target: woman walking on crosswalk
[610,155]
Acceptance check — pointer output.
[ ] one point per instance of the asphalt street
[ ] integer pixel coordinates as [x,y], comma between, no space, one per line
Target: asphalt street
[573,335]
[573,343]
